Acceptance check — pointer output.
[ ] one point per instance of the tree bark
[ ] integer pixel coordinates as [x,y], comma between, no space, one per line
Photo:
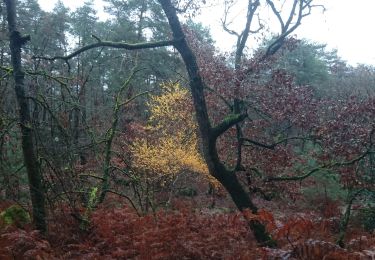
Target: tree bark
[208,133]
[30,158]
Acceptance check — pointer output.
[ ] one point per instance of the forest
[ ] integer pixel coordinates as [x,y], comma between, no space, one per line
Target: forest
[137,137]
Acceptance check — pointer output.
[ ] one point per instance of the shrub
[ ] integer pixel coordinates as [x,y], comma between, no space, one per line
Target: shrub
[15,215]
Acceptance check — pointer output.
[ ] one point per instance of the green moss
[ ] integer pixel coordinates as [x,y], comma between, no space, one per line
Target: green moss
[231,117]
[15,215]
[92,201]
[188,192]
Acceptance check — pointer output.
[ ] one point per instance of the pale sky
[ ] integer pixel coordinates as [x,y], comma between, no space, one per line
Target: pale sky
[346,26]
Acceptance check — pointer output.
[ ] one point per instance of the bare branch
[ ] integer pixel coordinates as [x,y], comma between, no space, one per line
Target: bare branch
[91,176]
[224,21]
[291,16]
[320,168]
[232,32]
[244,35]
[42,101]
[127,198]
[219,96]
[241,41]
[299,177]
[116,45]
[134,97]
[277,14]
[259,28]
[273,146]
[300,9]
[96,37]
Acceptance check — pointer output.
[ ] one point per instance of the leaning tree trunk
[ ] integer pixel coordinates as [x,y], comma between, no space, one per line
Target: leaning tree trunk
[30,158]
[210,134]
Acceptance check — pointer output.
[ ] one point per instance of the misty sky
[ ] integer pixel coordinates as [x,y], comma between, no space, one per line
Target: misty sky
[345,25]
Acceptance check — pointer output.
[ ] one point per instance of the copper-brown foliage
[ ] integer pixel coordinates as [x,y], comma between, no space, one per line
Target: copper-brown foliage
[20,244]
[119,233]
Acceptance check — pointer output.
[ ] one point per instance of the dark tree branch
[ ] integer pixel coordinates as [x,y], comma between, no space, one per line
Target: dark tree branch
[300,9]
[319,168]
[96,37]
[277,13]
[241,41]
[239,134]
[291,15]
[109,44]
[299,177]
[42,102]
[259,28]
[352,195]
[229,105]
[262,193]
[227,123]
[225,23]
[371,136]
[244,35]
[127,198]
[273,146]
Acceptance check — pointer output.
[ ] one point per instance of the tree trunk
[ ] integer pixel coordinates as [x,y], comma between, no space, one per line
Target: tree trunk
[208,133]
[30,158]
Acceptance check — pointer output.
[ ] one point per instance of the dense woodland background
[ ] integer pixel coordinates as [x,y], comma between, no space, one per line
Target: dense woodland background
[136,138]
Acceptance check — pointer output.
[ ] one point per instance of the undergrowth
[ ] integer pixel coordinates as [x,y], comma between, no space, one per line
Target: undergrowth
[182,233]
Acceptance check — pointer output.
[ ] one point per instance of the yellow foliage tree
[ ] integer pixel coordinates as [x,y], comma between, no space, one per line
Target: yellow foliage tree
[173,146]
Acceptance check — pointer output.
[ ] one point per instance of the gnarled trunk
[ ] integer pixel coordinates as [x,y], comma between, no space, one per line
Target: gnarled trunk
[208,133]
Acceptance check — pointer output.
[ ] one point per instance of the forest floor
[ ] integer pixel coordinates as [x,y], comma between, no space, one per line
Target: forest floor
[115,231]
